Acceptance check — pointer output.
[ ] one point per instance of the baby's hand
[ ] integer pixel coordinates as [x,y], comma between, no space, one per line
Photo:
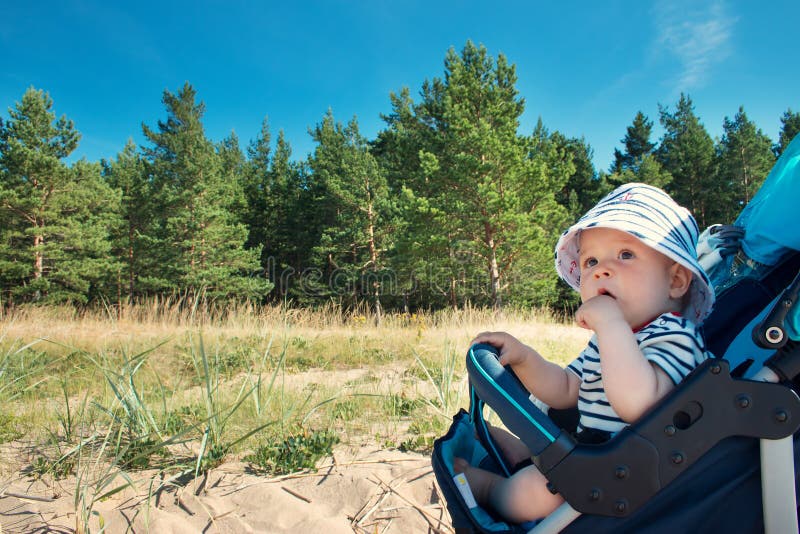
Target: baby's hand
[597,311]
[512,350]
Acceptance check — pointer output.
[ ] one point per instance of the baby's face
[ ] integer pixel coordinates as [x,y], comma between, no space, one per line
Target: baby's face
[617,264]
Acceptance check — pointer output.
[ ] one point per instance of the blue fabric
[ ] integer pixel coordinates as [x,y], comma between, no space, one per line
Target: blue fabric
[768,219]
[793,323]
[460,441]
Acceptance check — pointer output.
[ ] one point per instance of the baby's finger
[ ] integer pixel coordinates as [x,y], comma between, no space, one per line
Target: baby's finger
[490,338]
[581,321]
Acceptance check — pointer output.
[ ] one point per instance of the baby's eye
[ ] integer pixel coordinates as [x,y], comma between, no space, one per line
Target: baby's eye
[626,255]
[589,262]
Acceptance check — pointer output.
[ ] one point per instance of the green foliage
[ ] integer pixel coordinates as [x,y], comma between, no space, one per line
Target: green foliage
[451,205]
[54,219]
[489,192]
[687,153]
[424,432]
[58,468]
[351,207]
[134,238]
[745,158]
[638,163]
[402,405]
[444,378]
[790,127]
[200,241]
[637,145]
[133,427]
[9,428]
[300,451]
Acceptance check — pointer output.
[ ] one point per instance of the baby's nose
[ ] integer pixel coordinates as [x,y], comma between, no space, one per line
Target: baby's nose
[602,273]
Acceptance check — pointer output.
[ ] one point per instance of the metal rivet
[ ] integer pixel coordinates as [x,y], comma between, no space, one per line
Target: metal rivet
[677,458]
[620,506]
[621,472]
[781,416]
[594,495]
[670,430]
[715,369]
[743,401]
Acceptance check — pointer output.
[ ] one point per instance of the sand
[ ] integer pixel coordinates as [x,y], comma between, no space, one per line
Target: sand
[364,490]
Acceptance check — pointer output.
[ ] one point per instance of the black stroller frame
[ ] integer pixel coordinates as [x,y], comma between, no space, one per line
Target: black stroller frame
[615,482]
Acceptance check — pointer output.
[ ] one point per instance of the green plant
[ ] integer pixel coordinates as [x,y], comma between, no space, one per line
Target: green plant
[178,421]
[214,444]
[14,373]
[68,419]
[95,479]
[9,428]
[345,410]
[424,431]
[444,380]
[420,444]
[400,405]
[59,468]
[294,453]
[136,434]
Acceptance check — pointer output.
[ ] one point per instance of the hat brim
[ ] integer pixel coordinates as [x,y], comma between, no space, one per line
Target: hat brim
[701,296]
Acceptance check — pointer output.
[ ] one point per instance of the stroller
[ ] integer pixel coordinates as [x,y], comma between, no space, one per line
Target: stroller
[718,453]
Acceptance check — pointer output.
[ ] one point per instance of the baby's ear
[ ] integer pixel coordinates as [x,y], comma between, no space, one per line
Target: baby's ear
[680,280]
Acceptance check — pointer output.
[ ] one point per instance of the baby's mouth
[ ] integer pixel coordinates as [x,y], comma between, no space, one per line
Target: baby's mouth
[604,291]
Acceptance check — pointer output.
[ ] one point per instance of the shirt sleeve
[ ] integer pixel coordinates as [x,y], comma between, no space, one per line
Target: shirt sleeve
[674,345]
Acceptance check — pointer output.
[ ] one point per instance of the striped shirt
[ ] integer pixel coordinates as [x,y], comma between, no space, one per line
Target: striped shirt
[671,342]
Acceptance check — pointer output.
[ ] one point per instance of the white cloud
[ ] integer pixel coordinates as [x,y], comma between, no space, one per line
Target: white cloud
[696,34]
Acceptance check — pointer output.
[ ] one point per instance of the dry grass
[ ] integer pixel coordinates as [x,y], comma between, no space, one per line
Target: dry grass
[336,336]
[161,386]
[324,367]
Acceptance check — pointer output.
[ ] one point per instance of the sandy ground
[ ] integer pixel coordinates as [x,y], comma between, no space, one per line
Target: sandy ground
[362,490]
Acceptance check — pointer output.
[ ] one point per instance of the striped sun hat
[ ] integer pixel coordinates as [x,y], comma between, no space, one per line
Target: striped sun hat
[651,215]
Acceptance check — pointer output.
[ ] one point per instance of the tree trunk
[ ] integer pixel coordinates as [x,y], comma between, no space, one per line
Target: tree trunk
[130,263]
[38,257]
[373,257]
[38,261]
[494,271]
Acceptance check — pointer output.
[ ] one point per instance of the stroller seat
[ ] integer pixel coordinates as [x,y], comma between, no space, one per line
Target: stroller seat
[718,453]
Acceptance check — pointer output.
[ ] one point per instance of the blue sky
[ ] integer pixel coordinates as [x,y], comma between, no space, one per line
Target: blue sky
[585,68]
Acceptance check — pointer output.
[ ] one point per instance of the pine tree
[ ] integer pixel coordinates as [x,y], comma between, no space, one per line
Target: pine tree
[421,260]
[232,176]
[637,144]
[54,238]
[584,186]
[289,243]
[257,191]
[745,158]
[132,239]
[638,163]
[350,211]
[201,238]
[481,202]
[276,214]
[79,263]
[790,127]
[686,152]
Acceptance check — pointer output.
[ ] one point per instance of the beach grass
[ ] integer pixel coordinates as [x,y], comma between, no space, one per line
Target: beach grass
[98,396]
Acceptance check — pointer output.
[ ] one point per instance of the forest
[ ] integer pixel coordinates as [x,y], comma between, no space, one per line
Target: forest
[450,205]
